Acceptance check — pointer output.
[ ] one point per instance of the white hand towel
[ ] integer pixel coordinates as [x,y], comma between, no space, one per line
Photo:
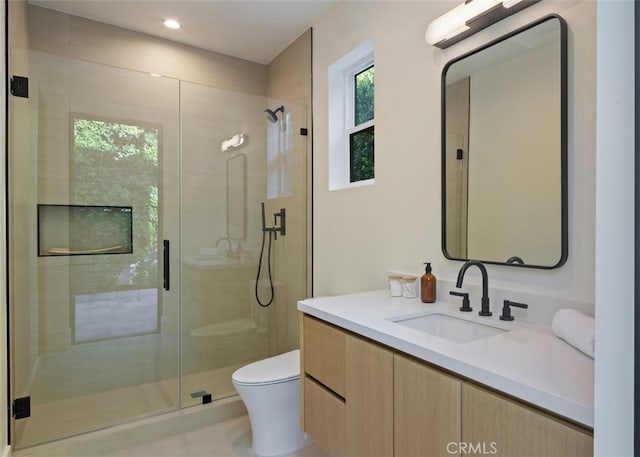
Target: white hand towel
[575,328]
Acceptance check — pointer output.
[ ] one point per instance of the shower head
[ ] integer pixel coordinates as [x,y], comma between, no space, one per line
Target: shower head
[272,115]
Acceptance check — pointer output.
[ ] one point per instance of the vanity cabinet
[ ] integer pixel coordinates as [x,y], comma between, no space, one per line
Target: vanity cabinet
[324,349]
[506,427]
[322,388]
[363,399]
[369,399]
[324,417]
[347,391]
[426,410]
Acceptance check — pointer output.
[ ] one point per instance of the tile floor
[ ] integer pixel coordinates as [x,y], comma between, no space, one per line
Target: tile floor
[230,438]
[227,439]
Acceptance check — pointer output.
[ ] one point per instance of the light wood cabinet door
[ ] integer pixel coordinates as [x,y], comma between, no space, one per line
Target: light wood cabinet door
[508,428]
[325,418]
[427,410]
[324,353]
[369,399]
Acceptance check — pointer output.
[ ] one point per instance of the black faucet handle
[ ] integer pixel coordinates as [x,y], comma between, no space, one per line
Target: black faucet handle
[506,309]
[466,306]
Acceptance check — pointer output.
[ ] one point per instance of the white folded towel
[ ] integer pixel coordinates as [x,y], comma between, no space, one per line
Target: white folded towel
[575,328]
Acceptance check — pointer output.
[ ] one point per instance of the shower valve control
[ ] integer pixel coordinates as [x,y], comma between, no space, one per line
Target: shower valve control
[282,229]
[283,222]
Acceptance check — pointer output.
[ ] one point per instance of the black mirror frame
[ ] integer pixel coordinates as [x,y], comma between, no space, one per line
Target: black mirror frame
[563,142]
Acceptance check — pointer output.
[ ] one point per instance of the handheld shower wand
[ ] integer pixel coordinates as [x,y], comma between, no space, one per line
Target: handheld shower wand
[270,230]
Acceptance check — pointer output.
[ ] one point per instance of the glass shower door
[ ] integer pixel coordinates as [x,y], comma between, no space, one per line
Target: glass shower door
[93,193]
[233,159]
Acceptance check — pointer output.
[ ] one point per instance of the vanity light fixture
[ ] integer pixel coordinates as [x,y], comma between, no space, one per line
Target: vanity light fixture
[171,24]
[471,17]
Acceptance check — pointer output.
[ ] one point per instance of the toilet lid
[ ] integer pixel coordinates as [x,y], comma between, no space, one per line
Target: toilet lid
[281,368]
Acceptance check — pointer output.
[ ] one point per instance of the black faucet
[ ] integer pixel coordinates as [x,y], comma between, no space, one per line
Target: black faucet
[506,309]
[485,311]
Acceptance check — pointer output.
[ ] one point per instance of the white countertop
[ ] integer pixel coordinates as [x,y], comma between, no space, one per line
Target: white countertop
[527,362]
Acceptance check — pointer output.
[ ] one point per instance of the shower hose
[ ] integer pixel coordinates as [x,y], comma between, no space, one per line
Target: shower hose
[264,234]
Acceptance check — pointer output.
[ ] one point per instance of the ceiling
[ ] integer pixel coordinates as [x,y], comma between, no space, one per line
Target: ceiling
[255,30]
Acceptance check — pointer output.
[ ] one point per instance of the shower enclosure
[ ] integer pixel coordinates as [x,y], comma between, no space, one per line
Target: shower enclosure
[134,241]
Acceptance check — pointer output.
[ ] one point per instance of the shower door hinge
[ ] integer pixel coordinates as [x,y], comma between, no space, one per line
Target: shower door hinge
[304,132]
[206,396]
[20,86]
[22,407]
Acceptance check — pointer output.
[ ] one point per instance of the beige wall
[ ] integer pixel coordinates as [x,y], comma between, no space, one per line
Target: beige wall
[77,38]
[360,234]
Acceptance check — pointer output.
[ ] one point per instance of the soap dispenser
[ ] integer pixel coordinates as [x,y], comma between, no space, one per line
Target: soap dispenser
[428,285]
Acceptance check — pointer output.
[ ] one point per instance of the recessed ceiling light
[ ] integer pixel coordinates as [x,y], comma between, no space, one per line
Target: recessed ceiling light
[172,24]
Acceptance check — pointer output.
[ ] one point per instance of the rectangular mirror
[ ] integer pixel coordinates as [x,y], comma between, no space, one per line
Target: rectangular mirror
[237,197]
[504,149]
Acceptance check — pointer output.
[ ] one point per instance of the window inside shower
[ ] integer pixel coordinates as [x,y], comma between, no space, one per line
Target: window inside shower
[117,161]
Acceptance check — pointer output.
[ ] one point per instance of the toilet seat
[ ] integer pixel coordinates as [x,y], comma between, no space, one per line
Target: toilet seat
[274,370]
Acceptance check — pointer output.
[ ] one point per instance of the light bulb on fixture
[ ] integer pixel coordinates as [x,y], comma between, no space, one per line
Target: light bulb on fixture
[235,141]
[172,24]
[469,18]
[510,3]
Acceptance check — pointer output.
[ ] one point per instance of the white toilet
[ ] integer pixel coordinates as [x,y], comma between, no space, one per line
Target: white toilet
[270,390]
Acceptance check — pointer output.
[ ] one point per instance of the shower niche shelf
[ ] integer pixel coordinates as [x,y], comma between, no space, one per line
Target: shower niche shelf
[65,230]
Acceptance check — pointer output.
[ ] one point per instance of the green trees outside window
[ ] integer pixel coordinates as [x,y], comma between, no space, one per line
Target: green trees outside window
[364,84]
[361,142]
[361,155]
[116,163]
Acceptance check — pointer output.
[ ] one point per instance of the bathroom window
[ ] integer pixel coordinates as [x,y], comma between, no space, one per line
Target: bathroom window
[351,119]
[361,134]
[116,162]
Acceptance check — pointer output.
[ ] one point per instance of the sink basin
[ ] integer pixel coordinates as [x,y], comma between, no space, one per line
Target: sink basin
[449,327]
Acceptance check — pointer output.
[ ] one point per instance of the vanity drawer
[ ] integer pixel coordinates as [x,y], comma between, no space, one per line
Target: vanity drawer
[324,354]
[324,418]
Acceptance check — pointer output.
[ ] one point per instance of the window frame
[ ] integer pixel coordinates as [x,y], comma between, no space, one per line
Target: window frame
[341,114]
[351,128]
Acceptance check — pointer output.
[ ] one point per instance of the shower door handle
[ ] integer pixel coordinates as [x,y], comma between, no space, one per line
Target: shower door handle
[166,265]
